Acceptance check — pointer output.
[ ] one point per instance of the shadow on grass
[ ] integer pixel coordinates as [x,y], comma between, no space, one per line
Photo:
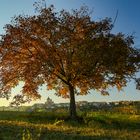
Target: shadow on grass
[17,134]
[13,131]
[97,121]
[56,135]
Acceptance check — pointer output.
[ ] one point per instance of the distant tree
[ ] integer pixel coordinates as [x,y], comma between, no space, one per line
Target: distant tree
[67,51]
[138,83]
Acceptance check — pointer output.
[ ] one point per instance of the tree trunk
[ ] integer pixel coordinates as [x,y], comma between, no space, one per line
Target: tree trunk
[72,108]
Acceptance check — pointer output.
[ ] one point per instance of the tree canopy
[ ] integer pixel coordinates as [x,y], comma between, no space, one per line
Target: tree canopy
[67,51]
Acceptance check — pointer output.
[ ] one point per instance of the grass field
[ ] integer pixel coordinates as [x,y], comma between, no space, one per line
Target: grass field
[99,125]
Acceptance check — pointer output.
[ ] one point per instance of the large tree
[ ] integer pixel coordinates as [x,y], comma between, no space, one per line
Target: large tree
[66,51]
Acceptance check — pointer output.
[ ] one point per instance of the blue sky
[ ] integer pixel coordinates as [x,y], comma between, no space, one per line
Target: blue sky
[128,22]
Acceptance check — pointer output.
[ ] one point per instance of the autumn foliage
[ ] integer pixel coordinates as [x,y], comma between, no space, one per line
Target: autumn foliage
[66,51]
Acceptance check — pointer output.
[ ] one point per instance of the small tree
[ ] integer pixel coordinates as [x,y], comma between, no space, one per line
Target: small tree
[67,51]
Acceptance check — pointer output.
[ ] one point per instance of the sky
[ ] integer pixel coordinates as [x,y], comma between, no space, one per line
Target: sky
[128,22]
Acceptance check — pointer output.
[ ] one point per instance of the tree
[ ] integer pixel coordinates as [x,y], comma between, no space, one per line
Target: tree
[138,83]
[67,51]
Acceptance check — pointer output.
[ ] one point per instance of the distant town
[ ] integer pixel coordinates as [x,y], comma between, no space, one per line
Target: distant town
[50,105]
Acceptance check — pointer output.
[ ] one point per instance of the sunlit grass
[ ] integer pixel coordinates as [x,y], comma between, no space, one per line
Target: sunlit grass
[35,131]
[47,125]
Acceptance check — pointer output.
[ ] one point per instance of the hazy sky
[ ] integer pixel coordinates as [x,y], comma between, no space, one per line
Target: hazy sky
[128,22]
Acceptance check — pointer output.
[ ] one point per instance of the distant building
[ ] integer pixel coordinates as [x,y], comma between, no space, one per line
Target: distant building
[81,103]
[49,103]
[38,106]
[62,105]
[116,103]
[94,104]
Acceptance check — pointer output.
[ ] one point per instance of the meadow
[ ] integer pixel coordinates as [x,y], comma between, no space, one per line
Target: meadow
[122,123]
